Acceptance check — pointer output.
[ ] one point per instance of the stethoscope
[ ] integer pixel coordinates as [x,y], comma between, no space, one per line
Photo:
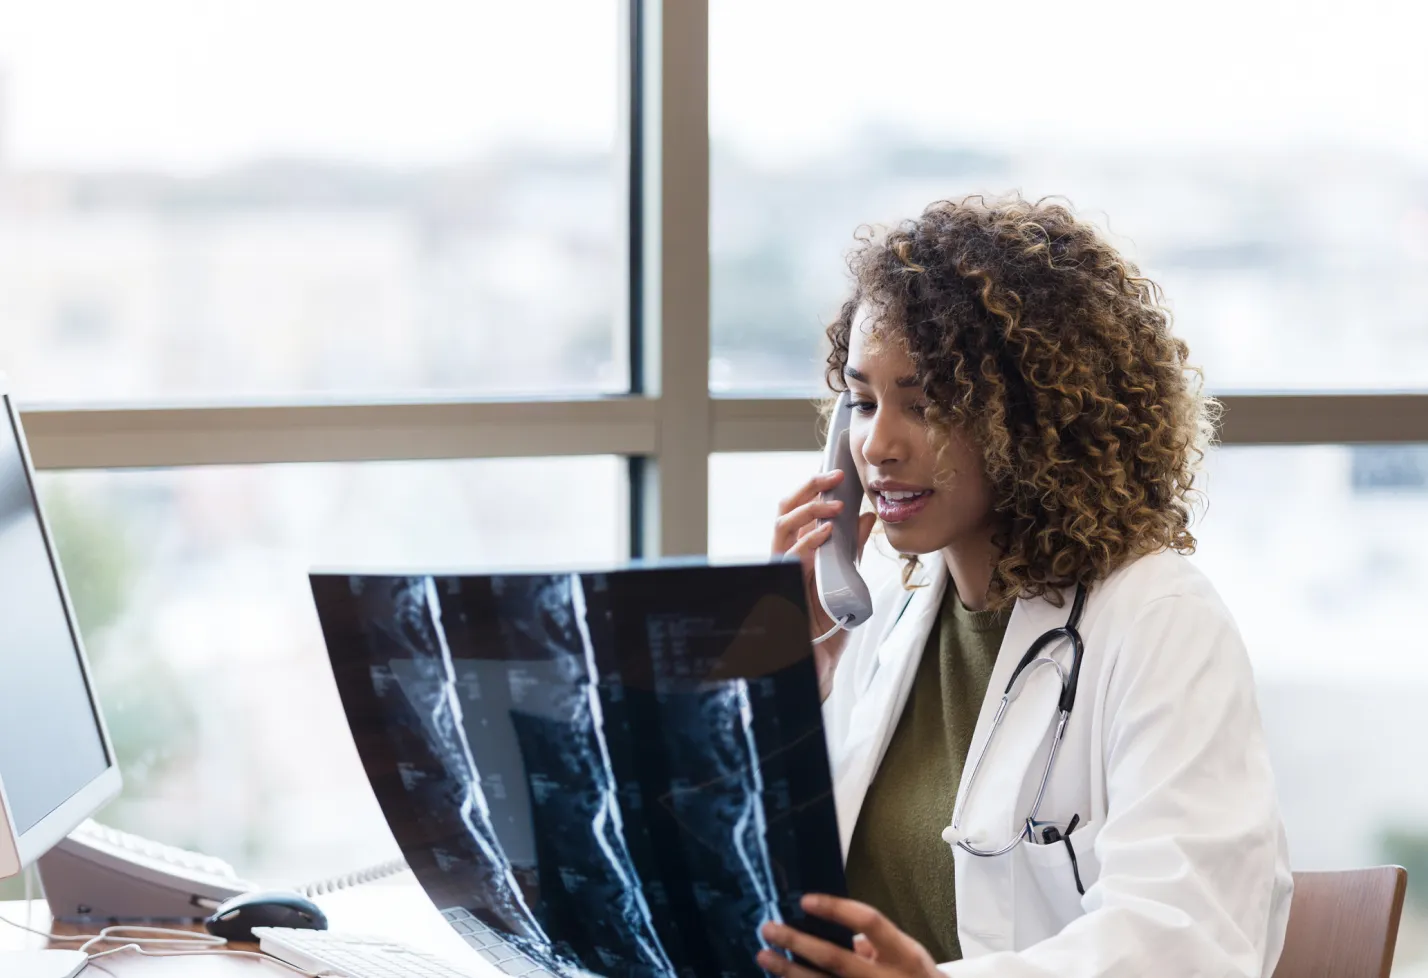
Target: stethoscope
[953,834]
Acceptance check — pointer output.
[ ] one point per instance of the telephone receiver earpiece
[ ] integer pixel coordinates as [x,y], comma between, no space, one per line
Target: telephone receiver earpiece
[841,589]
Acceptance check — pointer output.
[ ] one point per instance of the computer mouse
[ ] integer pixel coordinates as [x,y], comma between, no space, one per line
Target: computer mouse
[236,919]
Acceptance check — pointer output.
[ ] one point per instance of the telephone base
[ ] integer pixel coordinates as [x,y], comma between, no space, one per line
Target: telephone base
[99,875]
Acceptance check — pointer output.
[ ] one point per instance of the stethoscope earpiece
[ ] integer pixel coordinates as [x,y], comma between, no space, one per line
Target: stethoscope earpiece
[952,836]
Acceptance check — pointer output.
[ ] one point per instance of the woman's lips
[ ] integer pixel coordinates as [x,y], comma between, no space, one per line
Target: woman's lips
[900,510]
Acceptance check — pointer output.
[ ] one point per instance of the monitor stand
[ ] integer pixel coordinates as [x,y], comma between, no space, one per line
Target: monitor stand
[42,964]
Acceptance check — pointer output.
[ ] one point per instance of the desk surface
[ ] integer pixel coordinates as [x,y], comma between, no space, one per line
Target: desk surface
[396,910]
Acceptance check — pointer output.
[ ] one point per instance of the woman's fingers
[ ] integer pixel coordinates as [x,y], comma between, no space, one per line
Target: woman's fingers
[803,525]
[821,482]
[857,917]
[890,945]
[787,526]
[776,964]
[809,540]
[813,534]
[866,522]
[830,957]
[863,948]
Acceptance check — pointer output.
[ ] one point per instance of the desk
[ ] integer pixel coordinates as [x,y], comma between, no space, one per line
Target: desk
[397,910]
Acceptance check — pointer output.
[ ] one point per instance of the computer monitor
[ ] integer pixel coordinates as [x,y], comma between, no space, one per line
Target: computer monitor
[56,763]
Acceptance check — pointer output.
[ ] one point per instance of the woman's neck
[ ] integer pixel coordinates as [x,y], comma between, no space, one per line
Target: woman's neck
[971,561]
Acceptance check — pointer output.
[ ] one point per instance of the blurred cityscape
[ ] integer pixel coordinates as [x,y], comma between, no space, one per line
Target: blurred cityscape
[290,277]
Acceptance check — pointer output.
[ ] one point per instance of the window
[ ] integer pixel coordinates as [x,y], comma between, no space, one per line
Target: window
[744,493]
[282,198]
[191,589]
[1323,573]
[1268,176]
[439,216]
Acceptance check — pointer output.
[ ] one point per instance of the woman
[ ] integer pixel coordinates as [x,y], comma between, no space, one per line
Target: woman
[1025,426]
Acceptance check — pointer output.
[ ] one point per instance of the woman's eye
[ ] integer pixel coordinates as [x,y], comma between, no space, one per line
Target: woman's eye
[919,409]
[861,407]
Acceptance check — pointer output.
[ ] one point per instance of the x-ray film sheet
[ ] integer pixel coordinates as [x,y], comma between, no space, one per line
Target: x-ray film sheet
[613,773]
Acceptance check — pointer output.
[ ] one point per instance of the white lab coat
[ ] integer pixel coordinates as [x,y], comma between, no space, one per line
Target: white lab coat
[1180,845]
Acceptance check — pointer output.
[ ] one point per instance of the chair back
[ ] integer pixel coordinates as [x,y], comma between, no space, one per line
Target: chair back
[1343,924]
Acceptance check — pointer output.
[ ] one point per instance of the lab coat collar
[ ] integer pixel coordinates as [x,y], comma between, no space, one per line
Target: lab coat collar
[882,691]
[917,616]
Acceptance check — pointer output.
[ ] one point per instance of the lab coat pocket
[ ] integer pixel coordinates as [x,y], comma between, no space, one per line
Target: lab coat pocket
[1044,880]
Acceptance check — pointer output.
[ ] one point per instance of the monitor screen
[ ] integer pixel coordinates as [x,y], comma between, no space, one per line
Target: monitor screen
[611,773]
[51,745]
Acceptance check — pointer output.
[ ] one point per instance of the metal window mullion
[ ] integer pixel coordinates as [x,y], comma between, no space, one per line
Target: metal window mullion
[633,426]
[778,424]
[638,472]
[673,270]
[166,437]
[1324,419]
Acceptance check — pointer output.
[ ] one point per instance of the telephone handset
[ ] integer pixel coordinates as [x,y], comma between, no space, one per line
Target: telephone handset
[841,589]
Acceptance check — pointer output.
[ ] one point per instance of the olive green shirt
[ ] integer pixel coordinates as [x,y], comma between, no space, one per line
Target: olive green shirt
[897,861]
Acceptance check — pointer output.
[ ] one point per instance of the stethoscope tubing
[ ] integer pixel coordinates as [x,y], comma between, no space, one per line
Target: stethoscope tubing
[1066,701]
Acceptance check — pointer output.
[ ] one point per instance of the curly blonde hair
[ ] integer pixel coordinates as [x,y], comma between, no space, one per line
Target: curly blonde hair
[1031,334]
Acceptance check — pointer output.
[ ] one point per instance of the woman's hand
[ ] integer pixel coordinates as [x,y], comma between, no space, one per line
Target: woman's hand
[880,950]
[798,533]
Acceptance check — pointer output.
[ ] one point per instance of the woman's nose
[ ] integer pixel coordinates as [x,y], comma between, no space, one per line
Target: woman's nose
[882,442]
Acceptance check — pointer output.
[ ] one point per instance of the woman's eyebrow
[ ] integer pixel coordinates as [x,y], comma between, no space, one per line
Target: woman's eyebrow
[852,373]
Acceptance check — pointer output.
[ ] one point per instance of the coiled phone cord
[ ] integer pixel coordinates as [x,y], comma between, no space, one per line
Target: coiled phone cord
[369,875]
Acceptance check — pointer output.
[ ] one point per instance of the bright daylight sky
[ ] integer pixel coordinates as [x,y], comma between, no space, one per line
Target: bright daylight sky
[194,83]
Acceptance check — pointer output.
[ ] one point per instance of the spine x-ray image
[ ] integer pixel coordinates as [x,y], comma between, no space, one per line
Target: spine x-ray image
[616,773]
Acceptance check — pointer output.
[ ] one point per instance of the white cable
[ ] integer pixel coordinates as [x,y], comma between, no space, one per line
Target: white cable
[227,954]
[157,936]
[839,625]
[43,933]
[163,935]
[168,937]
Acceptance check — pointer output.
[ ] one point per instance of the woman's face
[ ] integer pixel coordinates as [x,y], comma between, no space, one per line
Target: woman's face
[923,508]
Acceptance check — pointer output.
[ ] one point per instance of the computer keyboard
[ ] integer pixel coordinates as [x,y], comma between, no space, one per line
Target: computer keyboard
[493,946]
[354,956]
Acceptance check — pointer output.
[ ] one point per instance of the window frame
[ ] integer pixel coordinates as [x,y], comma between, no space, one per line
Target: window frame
[668,423]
